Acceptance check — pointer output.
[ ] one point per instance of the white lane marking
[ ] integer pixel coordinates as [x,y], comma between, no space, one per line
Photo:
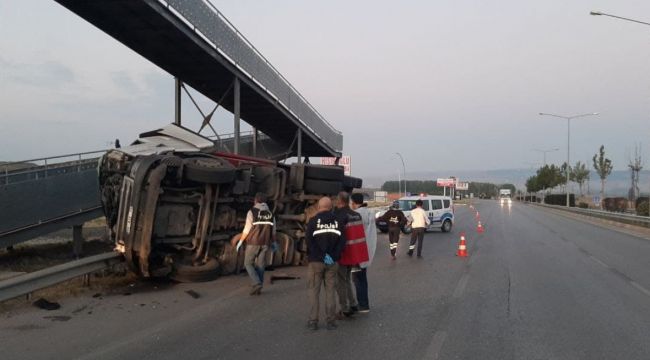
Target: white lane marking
[599,262]
[640,287]
[460,288]
[433,350]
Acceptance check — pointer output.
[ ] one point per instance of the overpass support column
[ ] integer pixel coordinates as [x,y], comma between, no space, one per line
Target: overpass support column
[299,150]
[177,101]
[237,111]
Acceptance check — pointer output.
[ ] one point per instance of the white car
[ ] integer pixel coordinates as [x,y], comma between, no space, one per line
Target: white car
[439,208]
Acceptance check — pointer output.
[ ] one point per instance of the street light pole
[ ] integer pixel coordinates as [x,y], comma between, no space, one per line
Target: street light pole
[404,169]
[598,13]
[546,151]
[568,144]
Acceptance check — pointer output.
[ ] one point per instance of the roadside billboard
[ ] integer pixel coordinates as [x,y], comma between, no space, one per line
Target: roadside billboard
[462,185]
[445,182]
[345,161]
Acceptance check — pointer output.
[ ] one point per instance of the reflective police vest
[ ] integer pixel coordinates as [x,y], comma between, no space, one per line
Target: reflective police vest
[262,230]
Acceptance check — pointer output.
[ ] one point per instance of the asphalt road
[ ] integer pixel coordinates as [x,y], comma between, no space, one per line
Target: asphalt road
[535,286]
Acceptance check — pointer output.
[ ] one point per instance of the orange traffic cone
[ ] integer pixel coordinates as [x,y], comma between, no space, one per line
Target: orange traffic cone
[478,216]
[462,247]
[479,228]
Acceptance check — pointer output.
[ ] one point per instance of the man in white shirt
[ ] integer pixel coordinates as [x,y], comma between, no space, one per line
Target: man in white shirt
[420,221]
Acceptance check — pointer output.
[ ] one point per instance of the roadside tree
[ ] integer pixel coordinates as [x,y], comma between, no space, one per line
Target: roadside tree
[603,167]
[580,174]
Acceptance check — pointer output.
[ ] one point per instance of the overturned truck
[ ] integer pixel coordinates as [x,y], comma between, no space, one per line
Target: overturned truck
[174,205]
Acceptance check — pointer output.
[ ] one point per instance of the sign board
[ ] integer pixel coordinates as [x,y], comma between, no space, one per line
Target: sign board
[596,200]
[445,182]
[462,185]
[381,196]
[345,161]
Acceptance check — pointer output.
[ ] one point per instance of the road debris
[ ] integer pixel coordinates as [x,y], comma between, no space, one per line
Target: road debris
[193,294]
[283,277]
[46,305]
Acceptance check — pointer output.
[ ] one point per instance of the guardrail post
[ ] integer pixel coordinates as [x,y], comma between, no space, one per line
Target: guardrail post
[77,241]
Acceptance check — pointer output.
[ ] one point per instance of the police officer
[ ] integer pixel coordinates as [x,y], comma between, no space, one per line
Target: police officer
[259,234]
[325,241]
[395,219]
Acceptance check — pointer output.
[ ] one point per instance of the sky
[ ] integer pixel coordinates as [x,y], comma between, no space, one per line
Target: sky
[451,85]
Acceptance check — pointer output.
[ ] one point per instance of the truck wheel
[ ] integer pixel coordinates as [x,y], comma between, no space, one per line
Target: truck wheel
[322,187]
[324,172]
[446,226]
[286,245]
[272,258]
[208,170]
[352,182]
[228,259]
[196,273]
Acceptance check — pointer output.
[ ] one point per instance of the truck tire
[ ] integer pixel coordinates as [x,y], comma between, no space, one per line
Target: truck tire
[196,273]
[208,170]
[324,172]
[352,182]
[228,260]
[322,187]
[287,248]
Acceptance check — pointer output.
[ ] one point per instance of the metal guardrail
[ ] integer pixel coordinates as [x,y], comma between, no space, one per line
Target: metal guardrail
[211,25]
[28,283]
[607,215]
[38,168]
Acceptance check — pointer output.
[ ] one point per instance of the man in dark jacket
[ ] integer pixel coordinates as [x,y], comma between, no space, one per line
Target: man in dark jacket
[325,241]
[259,233]
[395,219]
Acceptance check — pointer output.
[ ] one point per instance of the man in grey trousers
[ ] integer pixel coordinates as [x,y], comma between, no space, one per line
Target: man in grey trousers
[259,234]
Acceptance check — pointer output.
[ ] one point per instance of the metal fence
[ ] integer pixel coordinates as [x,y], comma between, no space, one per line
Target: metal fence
[39,168]
[45,194]
[607,215]
[210,24]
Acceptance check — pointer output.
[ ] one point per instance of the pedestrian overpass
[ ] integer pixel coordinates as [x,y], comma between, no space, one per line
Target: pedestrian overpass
[194,42]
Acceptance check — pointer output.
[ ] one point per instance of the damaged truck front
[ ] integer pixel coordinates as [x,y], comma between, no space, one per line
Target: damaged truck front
[174,205]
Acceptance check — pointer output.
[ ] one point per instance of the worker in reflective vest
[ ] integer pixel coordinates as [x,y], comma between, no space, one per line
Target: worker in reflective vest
[259,235]
[354,253]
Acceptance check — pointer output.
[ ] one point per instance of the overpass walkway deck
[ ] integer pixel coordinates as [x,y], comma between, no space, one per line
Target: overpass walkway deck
[193,41]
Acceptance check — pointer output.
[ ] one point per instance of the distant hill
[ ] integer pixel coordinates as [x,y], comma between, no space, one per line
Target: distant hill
[617,184]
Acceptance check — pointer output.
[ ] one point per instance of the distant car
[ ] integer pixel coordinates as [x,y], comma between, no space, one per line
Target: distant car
[439,208]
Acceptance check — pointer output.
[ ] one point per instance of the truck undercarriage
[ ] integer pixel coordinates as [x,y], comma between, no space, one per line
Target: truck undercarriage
[174,206]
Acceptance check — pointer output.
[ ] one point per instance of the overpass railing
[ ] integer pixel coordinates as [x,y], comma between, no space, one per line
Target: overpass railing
[211,25]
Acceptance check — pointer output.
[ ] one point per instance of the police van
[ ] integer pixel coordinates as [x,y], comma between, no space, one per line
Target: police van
[440,210]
